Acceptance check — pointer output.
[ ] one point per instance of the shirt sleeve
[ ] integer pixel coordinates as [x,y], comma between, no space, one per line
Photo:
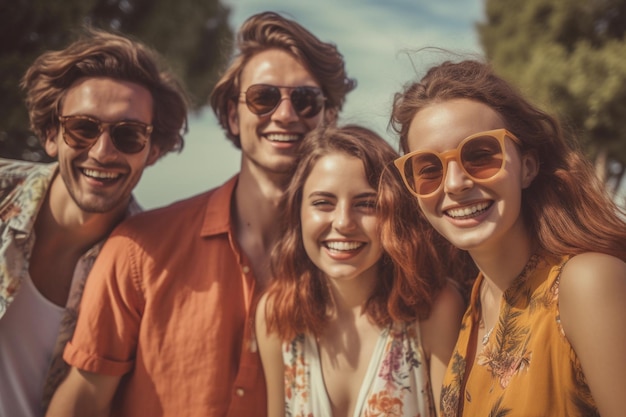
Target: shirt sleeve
[105,339]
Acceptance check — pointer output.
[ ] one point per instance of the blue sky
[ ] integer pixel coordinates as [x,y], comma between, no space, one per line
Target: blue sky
[375,38]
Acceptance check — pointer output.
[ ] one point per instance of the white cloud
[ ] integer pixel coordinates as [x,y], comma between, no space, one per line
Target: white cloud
[369,33]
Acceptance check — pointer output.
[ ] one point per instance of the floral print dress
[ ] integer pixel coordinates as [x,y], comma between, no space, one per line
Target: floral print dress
[524,366]
[396,383]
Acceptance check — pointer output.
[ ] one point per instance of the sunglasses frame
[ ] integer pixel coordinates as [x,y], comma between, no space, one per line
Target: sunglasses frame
[455,154]
[321,99]
[75,143]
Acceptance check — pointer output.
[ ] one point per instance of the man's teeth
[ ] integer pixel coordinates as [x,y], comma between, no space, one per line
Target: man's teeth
[103,175]
[343,246]
[281,137]
[467,211]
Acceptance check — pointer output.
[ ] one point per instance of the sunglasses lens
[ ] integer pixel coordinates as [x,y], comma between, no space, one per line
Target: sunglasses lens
[79,133]
[482,157]
[129,137]
[307,101]
[262,99]
[424,173]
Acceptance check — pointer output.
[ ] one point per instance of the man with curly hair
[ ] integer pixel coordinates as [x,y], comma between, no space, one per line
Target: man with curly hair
[105,108]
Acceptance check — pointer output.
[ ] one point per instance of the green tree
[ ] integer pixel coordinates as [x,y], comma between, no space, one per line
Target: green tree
[192,35]
[568,56]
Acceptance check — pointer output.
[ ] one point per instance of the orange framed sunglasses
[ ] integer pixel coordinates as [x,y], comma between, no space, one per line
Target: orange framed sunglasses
[481,156]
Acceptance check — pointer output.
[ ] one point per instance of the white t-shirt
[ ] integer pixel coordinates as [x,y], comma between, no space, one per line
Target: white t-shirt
[28,333]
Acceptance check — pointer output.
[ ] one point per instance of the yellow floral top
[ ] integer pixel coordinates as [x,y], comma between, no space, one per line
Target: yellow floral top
[525,366]
[396,383]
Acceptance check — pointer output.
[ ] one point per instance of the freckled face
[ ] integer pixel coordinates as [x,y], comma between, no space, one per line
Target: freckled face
[339,224]
[100,178]
[473,216]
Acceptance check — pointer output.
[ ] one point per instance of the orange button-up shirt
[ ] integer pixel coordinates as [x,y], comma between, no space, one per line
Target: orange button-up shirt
[169,304]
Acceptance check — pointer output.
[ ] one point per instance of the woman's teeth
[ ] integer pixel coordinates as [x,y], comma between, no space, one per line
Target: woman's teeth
[467,211]
[343,246]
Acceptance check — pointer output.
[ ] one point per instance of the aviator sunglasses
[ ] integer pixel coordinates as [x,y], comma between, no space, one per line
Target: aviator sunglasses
[263,99]
[80,132]
[481,156]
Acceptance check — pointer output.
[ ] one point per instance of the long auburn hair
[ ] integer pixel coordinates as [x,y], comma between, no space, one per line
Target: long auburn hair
[298,297]
[97,53]
[270,30]
[567,209]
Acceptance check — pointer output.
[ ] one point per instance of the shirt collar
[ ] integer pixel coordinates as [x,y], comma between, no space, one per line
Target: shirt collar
[217,217]
[28,207]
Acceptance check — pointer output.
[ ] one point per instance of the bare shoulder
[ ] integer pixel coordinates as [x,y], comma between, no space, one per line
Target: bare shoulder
[448,305]
[590,284]
[270,351]
[593,315]
[268,343]
[591,274]
[444,321]
[261,308]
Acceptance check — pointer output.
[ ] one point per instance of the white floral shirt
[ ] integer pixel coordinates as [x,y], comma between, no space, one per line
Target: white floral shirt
[23,188]
[396,384]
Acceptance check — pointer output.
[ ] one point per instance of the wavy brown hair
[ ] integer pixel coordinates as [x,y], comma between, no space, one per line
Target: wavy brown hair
[299,298]
[567,208]
[269,30]
[102,54]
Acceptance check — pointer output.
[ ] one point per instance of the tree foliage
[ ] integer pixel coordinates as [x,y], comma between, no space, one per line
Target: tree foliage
[192,35]
[568,56]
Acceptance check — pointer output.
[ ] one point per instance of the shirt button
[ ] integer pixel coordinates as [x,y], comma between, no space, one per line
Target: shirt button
[240,392]
[246,269]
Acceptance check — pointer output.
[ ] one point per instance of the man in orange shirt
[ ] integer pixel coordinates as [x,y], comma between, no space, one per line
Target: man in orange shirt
[165,328]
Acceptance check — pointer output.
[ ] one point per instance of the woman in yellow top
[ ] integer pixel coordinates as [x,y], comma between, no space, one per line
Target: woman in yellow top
[545,330]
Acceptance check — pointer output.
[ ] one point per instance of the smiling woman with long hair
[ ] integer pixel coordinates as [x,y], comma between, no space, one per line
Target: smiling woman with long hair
[503,182]
[342,330]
